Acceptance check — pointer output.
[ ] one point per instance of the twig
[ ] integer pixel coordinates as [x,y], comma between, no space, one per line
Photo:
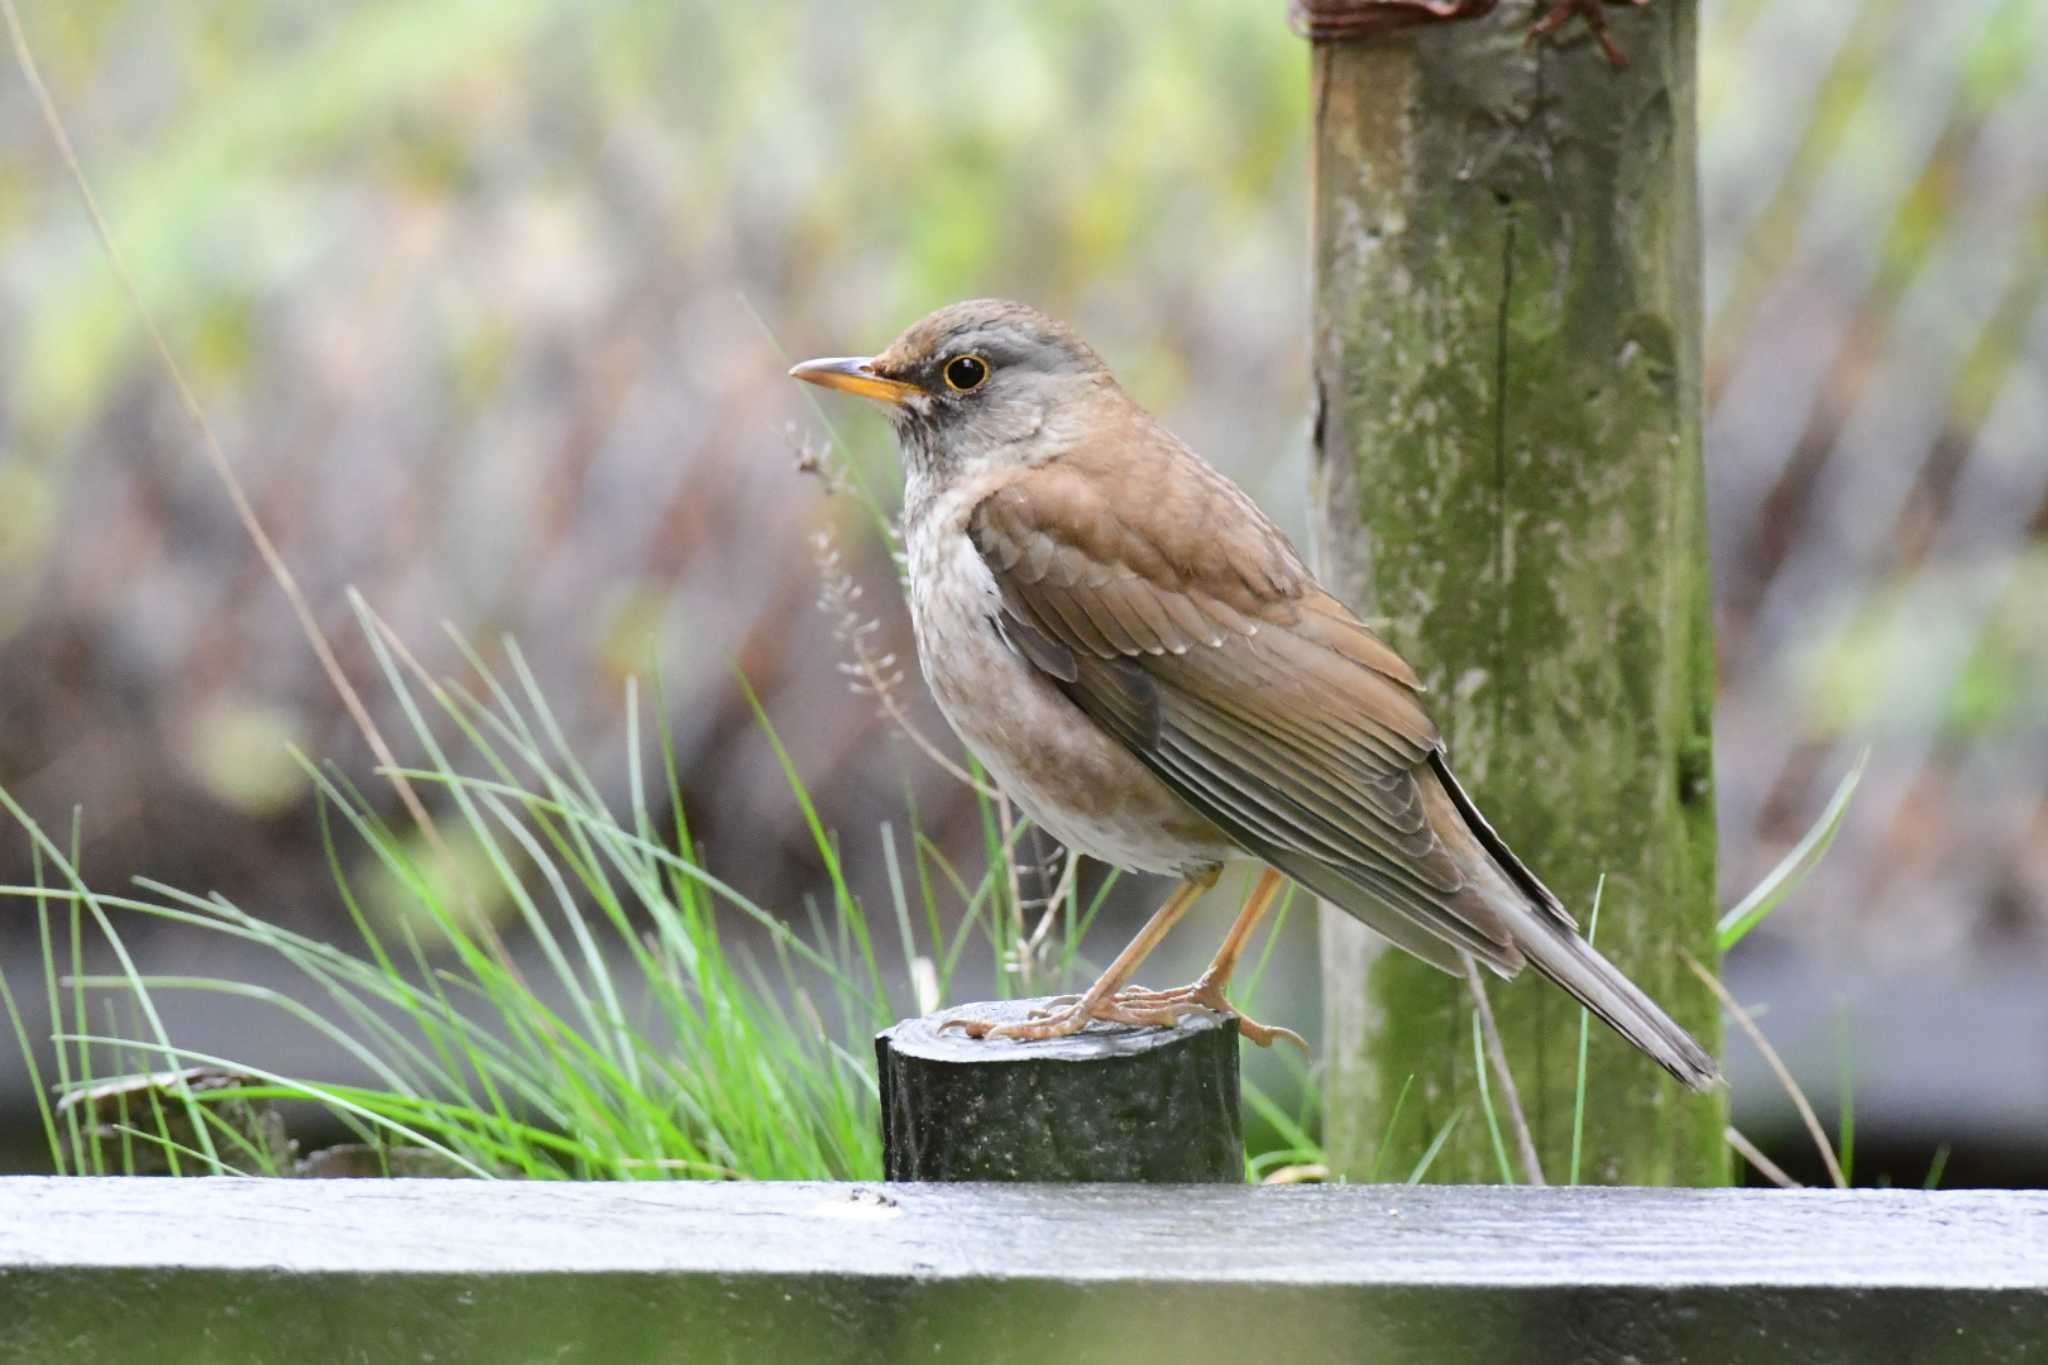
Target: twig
[1006,828]
[1518,1122]
[1778,1069]
[1767,1167]
[245,510]
[1052,903]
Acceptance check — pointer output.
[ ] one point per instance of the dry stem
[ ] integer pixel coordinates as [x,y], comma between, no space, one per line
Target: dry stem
[1518,1122]
[1778,1069]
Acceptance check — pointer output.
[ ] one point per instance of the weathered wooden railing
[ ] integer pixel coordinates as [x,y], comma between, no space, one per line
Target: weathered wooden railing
[406,1270]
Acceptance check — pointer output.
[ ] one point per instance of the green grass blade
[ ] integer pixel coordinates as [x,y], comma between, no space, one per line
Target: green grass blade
[1387,1134]
[1585,1019]
[1936,1168]
[1436,1145]
[1793,869]
[69,868]
[35,1074]
[1500,1148]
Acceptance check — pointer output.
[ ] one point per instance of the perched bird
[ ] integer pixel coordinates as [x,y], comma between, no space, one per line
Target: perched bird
[1142,661]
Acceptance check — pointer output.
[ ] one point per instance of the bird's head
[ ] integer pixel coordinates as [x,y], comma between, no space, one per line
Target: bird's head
[975,384]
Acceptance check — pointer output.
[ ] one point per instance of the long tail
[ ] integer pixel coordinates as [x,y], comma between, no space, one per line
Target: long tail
[1598,984]
[1541,928]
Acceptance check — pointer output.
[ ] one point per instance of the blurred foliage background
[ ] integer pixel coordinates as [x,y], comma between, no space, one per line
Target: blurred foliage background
[490,304]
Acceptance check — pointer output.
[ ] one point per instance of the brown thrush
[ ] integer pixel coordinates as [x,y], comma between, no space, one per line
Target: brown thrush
[1144,664]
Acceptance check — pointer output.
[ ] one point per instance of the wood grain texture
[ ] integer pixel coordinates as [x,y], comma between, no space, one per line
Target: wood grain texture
[1113,1102]
[1509,486]
[253,1270]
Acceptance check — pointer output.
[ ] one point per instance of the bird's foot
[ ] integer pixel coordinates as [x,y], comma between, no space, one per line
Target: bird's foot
[1207,995]
[1069,1015]
[1137,1005]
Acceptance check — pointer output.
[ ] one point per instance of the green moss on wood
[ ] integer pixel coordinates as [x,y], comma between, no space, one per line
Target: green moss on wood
[1507,361]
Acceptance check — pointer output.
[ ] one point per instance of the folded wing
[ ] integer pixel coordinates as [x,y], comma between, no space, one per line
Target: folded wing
[1206,648]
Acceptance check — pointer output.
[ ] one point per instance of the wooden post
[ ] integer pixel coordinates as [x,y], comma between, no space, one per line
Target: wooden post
[1110,1103]
[1508,481]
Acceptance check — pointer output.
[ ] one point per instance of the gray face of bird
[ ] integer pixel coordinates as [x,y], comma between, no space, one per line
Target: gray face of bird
[994,392]
[976,386]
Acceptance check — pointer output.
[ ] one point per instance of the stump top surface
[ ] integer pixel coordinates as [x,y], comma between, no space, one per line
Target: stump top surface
[1100,1041]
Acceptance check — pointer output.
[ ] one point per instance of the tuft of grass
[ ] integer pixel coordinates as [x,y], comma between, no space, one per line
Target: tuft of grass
[656,1022]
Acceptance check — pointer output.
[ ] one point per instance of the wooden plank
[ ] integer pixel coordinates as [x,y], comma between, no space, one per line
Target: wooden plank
[98,1270]
[1508,476]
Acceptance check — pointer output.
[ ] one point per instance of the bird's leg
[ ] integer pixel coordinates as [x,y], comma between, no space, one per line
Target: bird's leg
[1207,990]
[1098,1001]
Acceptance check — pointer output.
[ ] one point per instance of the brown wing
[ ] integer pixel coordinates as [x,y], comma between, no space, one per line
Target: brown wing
[1194,634]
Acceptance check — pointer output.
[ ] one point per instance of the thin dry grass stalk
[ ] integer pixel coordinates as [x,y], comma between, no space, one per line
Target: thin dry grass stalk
[1769,1169]
[1061,890]
[238,498]
[1778,1069]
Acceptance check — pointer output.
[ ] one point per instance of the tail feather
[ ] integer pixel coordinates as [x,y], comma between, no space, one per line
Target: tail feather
[1539,927]
[1598,984]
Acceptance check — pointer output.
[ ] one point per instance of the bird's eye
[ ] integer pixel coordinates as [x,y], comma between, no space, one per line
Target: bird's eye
[966,373]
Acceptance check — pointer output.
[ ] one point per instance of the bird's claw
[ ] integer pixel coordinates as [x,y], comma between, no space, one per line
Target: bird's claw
[1128,995]
[1135,1005]
[1041,1025]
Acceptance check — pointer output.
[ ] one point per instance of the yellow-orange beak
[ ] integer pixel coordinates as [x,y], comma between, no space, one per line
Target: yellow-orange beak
[854,374]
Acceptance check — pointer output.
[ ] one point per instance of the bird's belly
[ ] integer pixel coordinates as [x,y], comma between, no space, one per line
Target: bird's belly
[1071,778]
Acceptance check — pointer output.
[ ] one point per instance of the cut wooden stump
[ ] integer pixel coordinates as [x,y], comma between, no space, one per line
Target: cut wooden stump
[1110,1103]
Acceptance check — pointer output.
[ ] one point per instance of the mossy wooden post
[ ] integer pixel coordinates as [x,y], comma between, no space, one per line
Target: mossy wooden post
[1508,481]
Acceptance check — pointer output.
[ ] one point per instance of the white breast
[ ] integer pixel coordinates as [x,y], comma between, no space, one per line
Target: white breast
[1041,750]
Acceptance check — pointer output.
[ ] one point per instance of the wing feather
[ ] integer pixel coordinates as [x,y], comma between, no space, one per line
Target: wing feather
[1212,655]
